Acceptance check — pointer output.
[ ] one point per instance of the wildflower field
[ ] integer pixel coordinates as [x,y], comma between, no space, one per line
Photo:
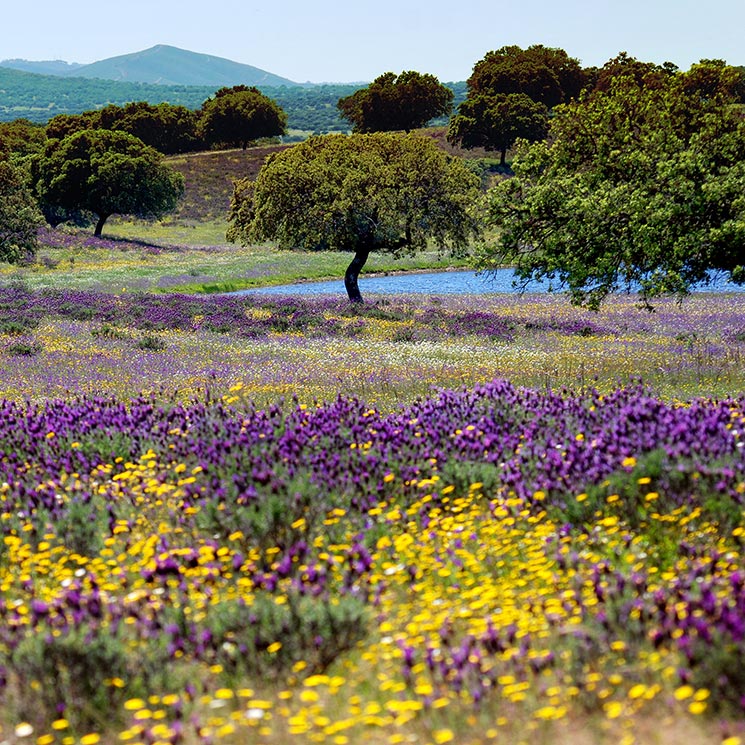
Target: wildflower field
[271,520]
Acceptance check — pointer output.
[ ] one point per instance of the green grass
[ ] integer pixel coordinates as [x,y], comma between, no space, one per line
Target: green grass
[206,268]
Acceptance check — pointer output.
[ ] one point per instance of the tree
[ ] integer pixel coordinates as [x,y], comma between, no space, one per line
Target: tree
[646,74]
[359,193]
[545,74]
[715,80]
[638,187]
[106,172]
[169,129]
[392,103]
[21,137]
[63,125]
[495,122]
[240,115]
[19,216]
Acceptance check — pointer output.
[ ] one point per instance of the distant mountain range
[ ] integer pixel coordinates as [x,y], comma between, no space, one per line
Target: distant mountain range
[159,65]
[47,67]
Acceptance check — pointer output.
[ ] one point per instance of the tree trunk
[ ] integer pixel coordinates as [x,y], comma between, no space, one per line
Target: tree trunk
[503,159]
[353,271]
[99,225]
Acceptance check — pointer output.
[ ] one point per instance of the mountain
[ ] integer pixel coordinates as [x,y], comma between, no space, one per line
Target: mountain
[47,67]
[166,65]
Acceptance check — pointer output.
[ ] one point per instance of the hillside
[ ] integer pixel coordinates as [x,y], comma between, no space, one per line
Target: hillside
[209,176]
[167,65]
[44,67]
[25,95]
[40,97]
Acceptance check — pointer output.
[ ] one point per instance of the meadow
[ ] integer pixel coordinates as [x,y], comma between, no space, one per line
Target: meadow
[255,519]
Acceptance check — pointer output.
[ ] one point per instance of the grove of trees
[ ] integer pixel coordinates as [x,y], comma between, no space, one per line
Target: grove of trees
[106,172]
[509,95]
[358,193]
[640,185]
[396,102]
[627,176]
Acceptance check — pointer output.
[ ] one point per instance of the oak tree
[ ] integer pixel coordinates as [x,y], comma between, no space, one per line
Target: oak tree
[358,193]
[545,74]
[396,102]
[239,115]
[106,172]
[494,122]
[638,187]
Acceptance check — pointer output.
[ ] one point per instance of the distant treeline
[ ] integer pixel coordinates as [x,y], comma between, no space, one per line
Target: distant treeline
[40,97]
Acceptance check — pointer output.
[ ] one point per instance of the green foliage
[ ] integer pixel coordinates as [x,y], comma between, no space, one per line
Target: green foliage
[20,324]
[638,187]
[149,343]
[545,74]
[81,527]
[167,128]
[385,192]
[315,630]
[21,137]
[495,121]
[69,669]
[655,485]
[106,173]
[397,102]
[24,348]
[646,74]
[712,80]
[239,115]
[19,215]
[362,193]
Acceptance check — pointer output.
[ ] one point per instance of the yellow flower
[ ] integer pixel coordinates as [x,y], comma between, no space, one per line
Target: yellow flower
[443,735]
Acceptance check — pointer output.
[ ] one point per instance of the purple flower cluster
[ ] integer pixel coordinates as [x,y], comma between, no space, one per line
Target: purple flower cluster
[237,314]
[525,440]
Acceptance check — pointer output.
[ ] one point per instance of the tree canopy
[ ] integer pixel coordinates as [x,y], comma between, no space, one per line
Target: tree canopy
[106,172]
[545,74]
[169,129]
[239,115]
[396,102]
[509,95]
[19,215]
[359,193]
[495,122]
[637,187]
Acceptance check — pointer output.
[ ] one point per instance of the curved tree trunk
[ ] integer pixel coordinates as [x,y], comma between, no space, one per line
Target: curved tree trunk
[353,272]
[99,225]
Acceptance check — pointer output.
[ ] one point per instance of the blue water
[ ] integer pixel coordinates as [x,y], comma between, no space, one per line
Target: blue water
[440,283]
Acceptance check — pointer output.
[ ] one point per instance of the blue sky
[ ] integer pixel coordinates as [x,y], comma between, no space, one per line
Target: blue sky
[358,40]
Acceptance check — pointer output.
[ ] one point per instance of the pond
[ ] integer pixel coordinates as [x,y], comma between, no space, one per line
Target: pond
[440,283]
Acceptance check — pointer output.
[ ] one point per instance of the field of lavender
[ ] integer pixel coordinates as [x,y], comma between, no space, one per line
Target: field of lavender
[420,520]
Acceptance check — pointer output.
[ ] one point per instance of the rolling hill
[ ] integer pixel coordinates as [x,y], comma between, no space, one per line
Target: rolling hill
[160,65]
[40,97]
[45,67]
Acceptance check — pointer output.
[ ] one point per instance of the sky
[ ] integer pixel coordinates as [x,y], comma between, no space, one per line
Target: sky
[357,40]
